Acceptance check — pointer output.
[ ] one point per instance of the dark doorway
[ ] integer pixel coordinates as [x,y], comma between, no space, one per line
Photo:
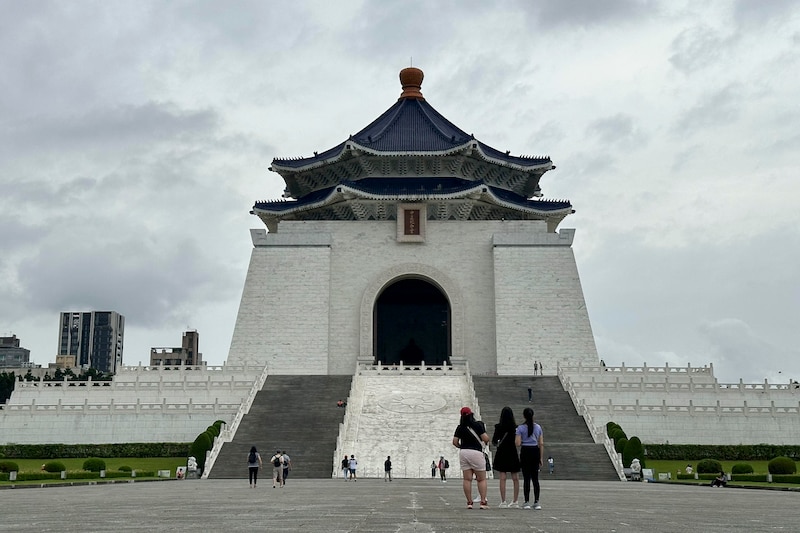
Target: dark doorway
[412,324]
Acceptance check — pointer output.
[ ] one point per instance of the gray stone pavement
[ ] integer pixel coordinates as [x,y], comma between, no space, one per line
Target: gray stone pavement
[403,506]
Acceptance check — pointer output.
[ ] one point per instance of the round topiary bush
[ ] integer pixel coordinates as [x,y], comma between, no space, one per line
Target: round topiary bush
[633,450]
[709,466]
[782,465]
[8,466]
[611,426]
[94,465]
[619,444]
[741,468]
[124,468]
[54,466]
[616,432]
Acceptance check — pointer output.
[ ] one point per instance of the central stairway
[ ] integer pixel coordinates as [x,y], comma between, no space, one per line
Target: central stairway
[297,414]
[566,436]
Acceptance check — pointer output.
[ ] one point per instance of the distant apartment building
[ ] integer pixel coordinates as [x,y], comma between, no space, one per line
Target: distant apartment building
[12,355]
[188,354]
[95,338]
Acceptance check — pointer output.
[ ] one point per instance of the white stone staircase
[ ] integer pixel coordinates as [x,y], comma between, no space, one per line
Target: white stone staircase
[406,412]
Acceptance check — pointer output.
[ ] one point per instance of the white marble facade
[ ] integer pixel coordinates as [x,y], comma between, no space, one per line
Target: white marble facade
[513,289]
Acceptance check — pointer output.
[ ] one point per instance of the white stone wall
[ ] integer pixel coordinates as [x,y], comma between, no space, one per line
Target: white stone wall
[685,405]
[308,301]
[283,318]
[141,404]
[540,309]
[93,428]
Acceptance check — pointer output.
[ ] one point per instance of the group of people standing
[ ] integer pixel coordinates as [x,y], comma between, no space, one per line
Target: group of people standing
[281,465]
[442,465]
[470,438]
[349,466]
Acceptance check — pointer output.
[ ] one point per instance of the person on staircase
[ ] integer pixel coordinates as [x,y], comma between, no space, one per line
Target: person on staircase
[506,460]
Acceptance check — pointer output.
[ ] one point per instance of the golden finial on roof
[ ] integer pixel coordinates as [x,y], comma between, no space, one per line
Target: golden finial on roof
[411,80]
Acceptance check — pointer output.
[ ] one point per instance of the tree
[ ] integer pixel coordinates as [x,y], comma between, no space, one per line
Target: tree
[7,382]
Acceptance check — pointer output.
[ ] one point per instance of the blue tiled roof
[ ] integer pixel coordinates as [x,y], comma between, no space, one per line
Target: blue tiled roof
[426,186]
[411,125]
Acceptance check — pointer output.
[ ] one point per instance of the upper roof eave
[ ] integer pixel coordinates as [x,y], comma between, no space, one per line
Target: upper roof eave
[525,164]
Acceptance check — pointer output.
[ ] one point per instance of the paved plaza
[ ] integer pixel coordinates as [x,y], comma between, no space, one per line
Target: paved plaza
[402,506]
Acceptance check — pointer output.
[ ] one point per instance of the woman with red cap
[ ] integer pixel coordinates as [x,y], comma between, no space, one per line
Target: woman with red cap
[469,438]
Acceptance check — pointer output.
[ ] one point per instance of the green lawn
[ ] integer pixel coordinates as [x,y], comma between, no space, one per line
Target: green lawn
[759,467]
[140,464]
[144,464]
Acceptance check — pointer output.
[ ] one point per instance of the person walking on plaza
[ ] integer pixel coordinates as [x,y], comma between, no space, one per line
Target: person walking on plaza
[253,465]
[536,368]
[287,465]
[387,469]
[469,438]
[433,468]
[444,464]
[345,467]
[551,464]
[506,460]
[529,436]
[277,468]
[352,464]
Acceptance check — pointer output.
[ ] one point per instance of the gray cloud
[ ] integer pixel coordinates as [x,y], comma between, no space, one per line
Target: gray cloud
[717,109]
[617,130]
[136,137]
[697,48]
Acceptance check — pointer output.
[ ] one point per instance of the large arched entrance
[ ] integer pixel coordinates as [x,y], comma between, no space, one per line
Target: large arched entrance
[412,323]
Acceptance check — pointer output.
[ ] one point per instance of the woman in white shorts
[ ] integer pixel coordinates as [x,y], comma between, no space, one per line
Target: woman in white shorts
[469,438]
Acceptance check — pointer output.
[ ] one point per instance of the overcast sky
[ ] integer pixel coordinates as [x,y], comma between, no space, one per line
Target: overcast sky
[136,136]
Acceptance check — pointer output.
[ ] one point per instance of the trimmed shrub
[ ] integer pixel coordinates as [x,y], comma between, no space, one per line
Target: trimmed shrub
[81,451]
[219,423]
[619,446]
[610,426]
[54,466]
[9,466]
[124,468]
[94,465]
[749,477]
[633,450]
[782,465]
[200,446]
[786,479]
[617,433]
[213,430]
[741,468]
[709,466]
[743,452]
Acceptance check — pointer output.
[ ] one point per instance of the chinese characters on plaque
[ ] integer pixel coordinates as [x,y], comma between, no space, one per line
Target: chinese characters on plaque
[411,222]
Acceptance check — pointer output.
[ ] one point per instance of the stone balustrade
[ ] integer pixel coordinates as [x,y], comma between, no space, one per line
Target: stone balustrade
[683,405]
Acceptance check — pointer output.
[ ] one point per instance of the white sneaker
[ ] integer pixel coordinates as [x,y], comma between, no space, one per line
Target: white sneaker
[503,504]
[536,506]
[526,505]
[513,505]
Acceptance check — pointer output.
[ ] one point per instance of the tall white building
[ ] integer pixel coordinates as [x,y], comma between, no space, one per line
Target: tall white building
[95,338]
[412,241]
